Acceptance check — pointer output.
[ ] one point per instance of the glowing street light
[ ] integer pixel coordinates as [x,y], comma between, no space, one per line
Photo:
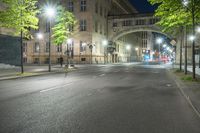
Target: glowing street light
[39,36]
[185,2]
[165,45]
[198,29]
[192,38]
[128,47]
[159,41]
[50,13]
[105,42]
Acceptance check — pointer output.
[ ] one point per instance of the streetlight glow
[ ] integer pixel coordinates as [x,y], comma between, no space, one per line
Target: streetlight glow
[128,47]
[185,2]
[39,35]
[198,29]
[192,38]
[84,44]
[50,11]
[164,46]
[69,41]
[159,40]
[105,42]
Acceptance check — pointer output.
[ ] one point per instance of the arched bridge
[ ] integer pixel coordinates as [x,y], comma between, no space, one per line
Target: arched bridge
[129,23]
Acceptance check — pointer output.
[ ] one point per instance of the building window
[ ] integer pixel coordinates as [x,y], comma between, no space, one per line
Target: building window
[37,47]
[47,26]
[105,13]
[127,23]
[114,24]
[96,8]
[83,59]
[101,10]
[83,5]
[105,29]
[47,47]
[25,60]
[100,28]
[46,60]
[82,47]
[59,48]
[140,22]
[25,47]
[70,6]
[83,25]
[36,60]
[71,49]
[96,26]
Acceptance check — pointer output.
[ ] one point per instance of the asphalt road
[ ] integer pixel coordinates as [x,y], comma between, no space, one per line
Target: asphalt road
[99,99]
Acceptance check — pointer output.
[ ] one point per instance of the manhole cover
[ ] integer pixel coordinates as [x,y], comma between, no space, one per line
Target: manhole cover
[168,85]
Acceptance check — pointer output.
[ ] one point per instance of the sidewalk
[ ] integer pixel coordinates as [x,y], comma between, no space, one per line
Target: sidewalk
[189,68]
[15,72]
[189,89]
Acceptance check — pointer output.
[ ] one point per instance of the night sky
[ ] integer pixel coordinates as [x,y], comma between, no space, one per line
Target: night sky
[143,6]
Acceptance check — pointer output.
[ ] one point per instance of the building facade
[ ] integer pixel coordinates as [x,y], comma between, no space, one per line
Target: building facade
[88,37]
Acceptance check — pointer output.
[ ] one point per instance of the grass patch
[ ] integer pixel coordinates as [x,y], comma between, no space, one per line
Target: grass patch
[187,78]
[178,71]
[25,74]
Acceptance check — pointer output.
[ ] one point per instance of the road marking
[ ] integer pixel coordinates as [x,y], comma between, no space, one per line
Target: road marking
[54,88]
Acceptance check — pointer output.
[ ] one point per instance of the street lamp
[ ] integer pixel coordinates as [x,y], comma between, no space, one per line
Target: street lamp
[69,42]
[105,43]
[192,38]
[192,11]
[91,47]
[128,47]
[50,13]
[159,41]
[198,29]
[39,36]
[136,49]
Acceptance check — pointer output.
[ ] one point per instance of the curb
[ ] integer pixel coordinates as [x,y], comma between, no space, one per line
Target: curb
[181,87]
[34,75]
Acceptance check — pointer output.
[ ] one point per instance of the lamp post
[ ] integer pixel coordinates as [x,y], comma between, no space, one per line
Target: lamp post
[69,42]
[50,13]
[21,2]
[192,11]
[198,30]
[159,41]
[105,43]
[39,36]
[90,47]
[136,49]
[128,47]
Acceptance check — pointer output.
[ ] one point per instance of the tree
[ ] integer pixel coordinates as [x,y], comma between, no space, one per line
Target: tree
[20,15]
[63,28]
[177,14]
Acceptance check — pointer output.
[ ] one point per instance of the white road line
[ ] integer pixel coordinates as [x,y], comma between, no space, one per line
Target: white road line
[54,88]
